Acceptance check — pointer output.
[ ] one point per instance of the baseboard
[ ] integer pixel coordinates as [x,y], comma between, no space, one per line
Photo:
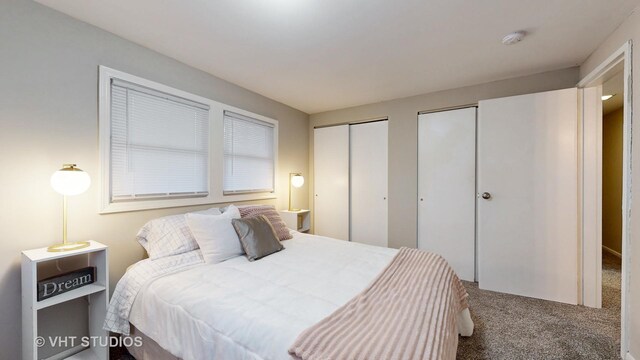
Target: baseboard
[69,352]
[629,357]
[612,252]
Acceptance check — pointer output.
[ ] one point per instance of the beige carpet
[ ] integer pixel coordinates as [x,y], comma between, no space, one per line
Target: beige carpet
[515,327]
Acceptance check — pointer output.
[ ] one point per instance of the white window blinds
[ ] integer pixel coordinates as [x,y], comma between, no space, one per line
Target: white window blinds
[159,144]
[248,154]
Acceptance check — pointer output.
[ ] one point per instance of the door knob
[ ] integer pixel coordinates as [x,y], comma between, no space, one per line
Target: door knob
[486,195]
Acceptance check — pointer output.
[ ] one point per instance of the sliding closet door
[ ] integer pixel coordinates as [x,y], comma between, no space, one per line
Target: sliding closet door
[446,187]
[369,178]
[331,181]
[528,205]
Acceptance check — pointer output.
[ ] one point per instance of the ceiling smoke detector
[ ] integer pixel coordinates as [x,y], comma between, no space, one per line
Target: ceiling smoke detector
[513,38]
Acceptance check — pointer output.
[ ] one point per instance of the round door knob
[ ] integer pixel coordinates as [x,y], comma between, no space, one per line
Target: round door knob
[486,195]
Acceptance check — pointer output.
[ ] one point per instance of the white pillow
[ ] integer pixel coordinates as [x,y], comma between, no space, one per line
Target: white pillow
[169,235]
[215,235]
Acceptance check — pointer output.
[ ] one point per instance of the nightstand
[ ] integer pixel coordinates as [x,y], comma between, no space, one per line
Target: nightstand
[299,220]
[96,292]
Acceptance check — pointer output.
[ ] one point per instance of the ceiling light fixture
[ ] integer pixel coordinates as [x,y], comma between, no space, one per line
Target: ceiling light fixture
[607,97]
[513,38]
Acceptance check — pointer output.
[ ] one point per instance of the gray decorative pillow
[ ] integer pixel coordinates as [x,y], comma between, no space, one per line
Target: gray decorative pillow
[257,237]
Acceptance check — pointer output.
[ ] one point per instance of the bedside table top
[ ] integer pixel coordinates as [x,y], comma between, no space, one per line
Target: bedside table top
[301,211]
[41,254]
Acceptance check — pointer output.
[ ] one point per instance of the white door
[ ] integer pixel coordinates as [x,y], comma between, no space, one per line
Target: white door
[447,187]
[528,204]
[369,178]
[331,181]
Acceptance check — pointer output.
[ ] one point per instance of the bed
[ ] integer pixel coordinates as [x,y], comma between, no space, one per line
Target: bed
[184,308]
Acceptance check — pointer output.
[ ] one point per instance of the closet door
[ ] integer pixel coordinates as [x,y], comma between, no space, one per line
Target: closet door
[331,181]
[528,205]
[369,178]
[446,187]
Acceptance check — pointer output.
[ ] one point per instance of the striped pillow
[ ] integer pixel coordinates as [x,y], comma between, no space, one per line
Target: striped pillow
[272,215]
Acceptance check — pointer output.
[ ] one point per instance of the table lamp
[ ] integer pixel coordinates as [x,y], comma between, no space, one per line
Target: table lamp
[69,181]
[296,180]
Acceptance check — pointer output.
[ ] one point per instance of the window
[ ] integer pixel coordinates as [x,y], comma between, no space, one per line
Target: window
[159,144]
[163,147]
[249,164]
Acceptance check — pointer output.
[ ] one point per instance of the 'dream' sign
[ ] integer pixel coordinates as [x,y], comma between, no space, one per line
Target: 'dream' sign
[66,282]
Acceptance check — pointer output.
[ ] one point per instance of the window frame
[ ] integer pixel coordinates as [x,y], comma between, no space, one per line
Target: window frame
[216,149]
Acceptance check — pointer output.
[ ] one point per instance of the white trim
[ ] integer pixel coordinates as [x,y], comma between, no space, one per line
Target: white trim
[626,191]
[216,148]
[624,53]
[608,64]
[628,356]
[590,185]
[611,251]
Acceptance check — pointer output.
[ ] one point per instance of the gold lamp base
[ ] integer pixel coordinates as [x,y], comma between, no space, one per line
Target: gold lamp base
[68,246]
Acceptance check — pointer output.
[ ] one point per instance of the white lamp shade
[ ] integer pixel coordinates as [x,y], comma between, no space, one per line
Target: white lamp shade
[297,181]
[70,181]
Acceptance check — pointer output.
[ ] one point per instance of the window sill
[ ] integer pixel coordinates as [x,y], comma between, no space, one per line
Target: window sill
[119,207]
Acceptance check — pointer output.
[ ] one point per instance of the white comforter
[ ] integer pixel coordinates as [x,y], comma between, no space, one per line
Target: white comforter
[246,310]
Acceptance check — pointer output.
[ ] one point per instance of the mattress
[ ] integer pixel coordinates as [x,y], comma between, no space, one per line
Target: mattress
[255,310]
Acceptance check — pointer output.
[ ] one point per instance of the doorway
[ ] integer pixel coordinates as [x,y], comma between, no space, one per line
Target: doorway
[606,186]
[612,170]
[612,144]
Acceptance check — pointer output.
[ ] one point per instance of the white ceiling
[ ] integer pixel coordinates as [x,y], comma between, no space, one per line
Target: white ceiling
[318,55]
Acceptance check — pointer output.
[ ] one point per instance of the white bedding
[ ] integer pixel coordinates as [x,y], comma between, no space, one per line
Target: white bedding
[254,310]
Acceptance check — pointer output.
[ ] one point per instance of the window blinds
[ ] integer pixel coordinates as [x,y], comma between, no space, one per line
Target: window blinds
[248,154]
[159,144]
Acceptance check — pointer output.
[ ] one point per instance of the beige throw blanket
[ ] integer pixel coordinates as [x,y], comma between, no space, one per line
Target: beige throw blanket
[408,312]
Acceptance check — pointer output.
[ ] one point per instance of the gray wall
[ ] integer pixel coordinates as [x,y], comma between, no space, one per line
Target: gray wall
[403,140]
[48,116]
[628,30]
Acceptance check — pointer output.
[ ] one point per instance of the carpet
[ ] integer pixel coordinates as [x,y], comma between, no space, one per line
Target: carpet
[515,327]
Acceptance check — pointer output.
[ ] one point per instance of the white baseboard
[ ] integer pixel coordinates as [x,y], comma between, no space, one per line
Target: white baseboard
[71,351]
[629,357]
[612,252]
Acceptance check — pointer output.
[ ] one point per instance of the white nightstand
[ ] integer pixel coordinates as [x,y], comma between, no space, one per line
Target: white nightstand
[97,292]
[298,220]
